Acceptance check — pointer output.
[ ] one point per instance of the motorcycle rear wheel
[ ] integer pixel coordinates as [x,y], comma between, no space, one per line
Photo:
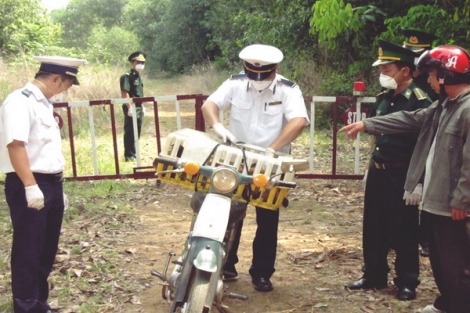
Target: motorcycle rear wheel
[199,290]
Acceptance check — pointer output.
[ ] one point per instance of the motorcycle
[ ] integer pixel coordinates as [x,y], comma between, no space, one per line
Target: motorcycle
[220,201]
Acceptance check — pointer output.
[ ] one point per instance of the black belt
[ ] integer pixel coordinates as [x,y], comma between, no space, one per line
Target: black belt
[387,166]
[52,178]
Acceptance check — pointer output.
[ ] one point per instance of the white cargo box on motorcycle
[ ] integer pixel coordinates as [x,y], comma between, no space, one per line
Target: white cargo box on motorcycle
[195,146]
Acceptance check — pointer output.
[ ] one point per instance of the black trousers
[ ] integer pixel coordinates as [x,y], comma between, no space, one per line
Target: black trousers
[35,241]
[449,253]
[389,222]
[264,244]
[129,144]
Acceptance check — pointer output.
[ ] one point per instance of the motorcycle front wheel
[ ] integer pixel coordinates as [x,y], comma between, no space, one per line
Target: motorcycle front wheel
[199,289]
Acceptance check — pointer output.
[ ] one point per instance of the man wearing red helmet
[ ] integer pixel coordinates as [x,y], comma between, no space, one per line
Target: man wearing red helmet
[443,152]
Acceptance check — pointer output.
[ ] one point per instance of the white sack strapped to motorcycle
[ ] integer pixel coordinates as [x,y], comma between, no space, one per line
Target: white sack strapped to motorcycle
[199,147]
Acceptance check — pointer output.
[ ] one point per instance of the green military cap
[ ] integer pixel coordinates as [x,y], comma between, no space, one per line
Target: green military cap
[389,53]
[137,56]
[417,41]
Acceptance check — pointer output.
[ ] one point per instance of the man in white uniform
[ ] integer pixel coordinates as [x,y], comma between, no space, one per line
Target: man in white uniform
[266,110]
[31,157]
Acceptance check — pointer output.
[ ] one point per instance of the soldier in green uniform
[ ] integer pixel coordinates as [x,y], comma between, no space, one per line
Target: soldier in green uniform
[132,87]
[389,219]
[418,42]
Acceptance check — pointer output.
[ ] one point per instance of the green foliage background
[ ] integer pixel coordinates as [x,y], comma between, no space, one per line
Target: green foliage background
[328,44]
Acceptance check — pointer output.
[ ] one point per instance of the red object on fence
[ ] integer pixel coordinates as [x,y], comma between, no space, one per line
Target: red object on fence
[359,89]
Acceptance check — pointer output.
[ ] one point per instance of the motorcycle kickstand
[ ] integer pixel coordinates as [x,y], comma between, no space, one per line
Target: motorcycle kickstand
[238,296]
[162,275]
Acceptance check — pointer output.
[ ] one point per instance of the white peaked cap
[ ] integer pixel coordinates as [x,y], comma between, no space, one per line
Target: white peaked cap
[260,55]
[64,61]
[60,65]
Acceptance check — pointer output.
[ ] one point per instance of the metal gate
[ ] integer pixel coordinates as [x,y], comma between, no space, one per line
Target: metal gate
[145,171]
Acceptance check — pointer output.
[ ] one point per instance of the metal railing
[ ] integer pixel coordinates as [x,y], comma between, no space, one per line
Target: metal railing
[147,171]
[140,171]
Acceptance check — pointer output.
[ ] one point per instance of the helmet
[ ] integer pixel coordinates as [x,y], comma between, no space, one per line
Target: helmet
[451,62]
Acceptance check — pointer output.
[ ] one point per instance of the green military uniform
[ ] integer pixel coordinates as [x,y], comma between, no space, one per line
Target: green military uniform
[132,83]
[388,221]
[418,42]
[397,148]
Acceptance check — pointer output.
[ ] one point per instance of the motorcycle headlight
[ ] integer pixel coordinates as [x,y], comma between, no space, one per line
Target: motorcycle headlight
[224,180]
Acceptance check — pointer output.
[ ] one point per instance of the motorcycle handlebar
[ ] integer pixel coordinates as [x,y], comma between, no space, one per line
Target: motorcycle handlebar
[286,184]
[172,162]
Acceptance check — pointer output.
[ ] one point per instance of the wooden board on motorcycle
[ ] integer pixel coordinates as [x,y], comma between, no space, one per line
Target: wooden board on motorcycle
[200,147]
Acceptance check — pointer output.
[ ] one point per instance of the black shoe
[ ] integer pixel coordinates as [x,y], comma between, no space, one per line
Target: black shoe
[230,273]
[262,284]
[366,283]
[405,293]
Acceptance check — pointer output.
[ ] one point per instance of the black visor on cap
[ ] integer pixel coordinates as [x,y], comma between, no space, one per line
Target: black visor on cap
[69,71]
[258,73]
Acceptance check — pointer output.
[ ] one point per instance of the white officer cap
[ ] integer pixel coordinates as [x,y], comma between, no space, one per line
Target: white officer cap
[260,55]
[260,61]
[60,65]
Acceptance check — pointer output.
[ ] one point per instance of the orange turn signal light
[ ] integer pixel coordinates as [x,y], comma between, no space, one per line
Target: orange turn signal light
[260,180]
[191,168]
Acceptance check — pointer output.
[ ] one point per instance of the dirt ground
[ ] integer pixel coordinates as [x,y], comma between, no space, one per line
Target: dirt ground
[319,250]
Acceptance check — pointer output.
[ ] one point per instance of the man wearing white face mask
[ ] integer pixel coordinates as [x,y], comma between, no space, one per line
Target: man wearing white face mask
[132,87]
[389,219]
[266,110]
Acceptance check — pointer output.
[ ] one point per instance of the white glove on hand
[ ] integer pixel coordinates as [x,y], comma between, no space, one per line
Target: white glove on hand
[35,197]
[66,202]
[224,133]
[414,198]
[364,180]
[129,112]
[143,111]
[269,152]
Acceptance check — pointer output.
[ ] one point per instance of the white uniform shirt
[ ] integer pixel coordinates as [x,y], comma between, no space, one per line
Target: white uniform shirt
[30,119]
[258,117]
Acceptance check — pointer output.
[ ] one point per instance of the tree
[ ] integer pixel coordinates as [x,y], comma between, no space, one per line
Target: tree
[144,19]
[25,28]
[103,47]
[181,39]
[80,17]
[282,23]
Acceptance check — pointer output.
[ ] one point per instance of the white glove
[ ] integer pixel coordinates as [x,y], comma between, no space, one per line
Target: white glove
[129,112]
[66,202]
[224,133]
[269,152]
[364,180]
[35,197]
[143,111]
[414,198]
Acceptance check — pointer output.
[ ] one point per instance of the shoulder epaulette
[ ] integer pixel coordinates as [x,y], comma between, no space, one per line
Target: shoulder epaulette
[237,76]
[27,92]
[420,94]
[287,82]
